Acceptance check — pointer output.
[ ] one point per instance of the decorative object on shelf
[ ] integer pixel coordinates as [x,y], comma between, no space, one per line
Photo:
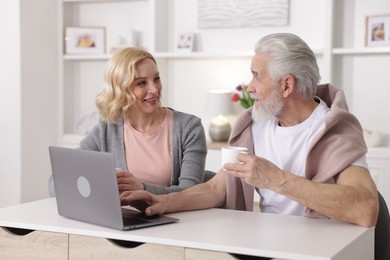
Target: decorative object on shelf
[129,40]
[119,41]
[242,13]
[85,40]
[373,138]
[219,105]
[378,30]
[245,98]
[185,42]
[132,38]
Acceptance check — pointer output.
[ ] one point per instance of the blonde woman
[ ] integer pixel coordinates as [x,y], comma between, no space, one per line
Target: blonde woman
[156,148]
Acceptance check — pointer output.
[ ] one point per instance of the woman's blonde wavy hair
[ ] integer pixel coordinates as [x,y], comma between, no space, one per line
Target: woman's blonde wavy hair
[116,97]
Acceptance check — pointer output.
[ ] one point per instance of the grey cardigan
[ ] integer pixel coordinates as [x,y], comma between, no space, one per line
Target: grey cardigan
[189,150]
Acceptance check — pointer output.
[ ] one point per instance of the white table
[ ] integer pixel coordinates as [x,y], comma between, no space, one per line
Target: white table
[249,233]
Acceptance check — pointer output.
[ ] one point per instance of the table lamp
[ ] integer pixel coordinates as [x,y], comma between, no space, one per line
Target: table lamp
[219,104]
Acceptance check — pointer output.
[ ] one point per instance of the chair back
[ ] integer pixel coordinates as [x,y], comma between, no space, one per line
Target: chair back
[382,231]
[208,175]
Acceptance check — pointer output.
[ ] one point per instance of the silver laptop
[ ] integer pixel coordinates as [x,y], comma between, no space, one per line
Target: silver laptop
[86,189]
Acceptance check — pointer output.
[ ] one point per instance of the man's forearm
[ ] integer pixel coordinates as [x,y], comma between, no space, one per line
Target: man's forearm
[206,195]
[350,201]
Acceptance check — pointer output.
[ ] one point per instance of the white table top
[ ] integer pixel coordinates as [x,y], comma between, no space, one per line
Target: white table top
[250,233]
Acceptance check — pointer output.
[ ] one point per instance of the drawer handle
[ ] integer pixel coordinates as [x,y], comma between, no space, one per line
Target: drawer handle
[125,244]
[18,231]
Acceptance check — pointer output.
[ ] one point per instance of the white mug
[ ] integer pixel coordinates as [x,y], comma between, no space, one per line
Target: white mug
[229,154]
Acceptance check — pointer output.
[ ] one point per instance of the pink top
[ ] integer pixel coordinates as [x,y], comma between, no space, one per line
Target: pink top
[150,155]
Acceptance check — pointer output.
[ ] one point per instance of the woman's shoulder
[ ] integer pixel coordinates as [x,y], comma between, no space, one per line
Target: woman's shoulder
[103,125]
[182,116]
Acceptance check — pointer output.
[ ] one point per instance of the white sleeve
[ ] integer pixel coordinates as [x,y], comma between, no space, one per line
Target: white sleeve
[361,162]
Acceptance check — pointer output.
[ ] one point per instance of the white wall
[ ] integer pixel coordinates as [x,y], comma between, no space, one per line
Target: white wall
[10,103]
[28,98]
[233,39]
[39,94]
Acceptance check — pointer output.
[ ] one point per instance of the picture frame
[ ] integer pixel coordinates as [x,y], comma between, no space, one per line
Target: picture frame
[378,30]
[85,40]
[185,42]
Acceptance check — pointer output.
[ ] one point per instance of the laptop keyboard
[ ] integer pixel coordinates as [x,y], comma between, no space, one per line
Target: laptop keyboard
[131,221]
[136,219]
[132,217]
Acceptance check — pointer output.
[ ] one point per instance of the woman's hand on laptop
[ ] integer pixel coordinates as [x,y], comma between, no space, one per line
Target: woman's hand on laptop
[144,201]
[127,181]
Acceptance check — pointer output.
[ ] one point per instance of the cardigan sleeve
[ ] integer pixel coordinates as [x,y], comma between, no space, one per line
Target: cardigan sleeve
[189,152]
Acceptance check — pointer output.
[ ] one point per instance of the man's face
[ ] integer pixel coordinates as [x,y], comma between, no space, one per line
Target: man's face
[265,91]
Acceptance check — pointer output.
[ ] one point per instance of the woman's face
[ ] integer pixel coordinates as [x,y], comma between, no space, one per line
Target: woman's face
[146,87]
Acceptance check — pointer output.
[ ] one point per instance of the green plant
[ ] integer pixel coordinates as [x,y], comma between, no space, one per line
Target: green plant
[245,97]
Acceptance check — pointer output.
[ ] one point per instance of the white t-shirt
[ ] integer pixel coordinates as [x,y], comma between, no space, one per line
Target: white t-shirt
[287,148]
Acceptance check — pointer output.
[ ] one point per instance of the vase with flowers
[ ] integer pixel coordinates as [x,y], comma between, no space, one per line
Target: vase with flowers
[243,96]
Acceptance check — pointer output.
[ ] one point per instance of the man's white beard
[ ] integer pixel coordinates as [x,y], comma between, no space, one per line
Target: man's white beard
[269,108]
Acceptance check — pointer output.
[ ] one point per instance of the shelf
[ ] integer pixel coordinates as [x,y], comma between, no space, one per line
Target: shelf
[168,55]
[361,51]
[69,57]
[93,1]
[204,55]
[214,55]
[177,55]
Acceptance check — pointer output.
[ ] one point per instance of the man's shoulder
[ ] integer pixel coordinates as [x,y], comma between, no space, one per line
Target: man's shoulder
[242,125]
[244,118]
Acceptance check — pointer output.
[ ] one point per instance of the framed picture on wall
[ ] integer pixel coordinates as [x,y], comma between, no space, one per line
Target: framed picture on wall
[185,42]
[85,40]
[378,30]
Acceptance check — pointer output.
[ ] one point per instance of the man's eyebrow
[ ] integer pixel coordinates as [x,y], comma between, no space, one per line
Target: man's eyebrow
[254,72]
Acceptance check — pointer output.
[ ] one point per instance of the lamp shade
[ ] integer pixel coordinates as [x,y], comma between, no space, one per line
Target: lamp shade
[219,102]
